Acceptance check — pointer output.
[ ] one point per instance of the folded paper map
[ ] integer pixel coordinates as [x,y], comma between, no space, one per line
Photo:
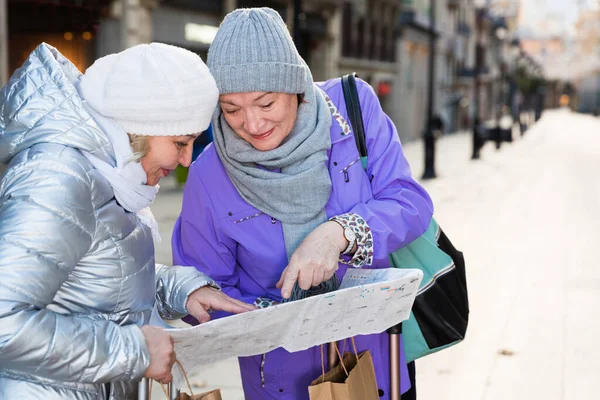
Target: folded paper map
[368,301]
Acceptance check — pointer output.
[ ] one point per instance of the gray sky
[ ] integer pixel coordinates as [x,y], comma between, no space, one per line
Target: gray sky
[554,14]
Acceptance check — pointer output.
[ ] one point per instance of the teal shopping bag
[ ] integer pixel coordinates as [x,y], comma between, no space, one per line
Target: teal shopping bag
[440,313]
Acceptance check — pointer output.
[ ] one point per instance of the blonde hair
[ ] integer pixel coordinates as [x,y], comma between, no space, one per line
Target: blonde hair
[140,146]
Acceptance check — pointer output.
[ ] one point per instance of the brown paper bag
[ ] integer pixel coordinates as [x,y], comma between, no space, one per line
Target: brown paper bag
[212,395]
[352,379]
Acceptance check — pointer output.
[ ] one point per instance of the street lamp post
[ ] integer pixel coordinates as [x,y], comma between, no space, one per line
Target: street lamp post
[429,134]
[514,100]
[479,57]
[500,130]
[296,28]
[477,136]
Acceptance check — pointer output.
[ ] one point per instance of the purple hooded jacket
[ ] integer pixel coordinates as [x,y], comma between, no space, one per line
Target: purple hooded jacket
[243,249]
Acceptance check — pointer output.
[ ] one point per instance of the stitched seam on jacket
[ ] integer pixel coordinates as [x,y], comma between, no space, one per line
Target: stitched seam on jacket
[96,219]
[27,167]
[121,265]
[36,91]
[52,383]
[95,336]
[33,125]
[50,261]
[128,359]
[18,291]
[17,85]
[113,278]
[51,79]
[50,345]
[79,124]
[58,214]
[21,137]
[118,247]
[145,267]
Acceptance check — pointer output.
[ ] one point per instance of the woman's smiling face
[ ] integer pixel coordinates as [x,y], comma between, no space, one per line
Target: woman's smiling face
[166,152]
[263,119]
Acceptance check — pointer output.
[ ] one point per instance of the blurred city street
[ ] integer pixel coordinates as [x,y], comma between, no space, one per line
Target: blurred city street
[525,211]
[527,219]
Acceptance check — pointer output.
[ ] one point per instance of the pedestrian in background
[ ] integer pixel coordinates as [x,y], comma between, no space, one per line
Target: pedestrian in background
[77,270]
[287,208]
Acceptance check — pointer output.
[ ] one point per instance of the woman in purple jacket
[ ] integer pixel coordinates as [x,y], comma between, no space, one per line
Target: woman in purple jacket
[280,207]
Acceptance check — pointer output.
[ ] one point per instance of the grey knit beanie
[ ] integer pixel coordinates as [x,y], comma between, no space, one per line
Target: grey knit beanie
[254,52]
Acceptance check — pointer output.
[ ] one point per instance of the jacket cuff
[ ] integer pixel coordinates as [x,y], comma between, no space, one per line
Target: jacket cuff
[173,287]
[139,355]
[191,286]
[364,239]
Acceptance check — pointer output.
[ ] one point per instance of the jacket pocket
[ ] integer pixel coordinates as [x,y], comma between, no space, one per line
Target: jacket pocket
[350,182]
[259,239]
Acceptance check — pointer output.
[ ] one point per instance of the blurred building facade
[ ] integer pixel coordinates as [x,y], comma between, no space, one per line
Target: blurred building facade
[67,25]
[587,45]
[387,42]
[544,48]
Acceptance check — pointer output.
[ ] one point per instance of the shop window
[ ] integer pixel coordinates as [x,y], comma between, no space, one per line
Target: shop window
[72,45]
[70,29]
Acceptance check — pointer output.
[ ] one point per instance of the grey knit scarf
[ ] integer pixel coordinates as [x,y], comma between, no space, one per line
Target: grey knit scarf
[290,183]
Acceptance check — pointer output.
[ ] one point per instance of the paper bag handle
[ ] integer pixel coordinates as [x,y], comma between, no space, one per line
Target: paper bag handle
[334,344]
[162,386]
[341,360]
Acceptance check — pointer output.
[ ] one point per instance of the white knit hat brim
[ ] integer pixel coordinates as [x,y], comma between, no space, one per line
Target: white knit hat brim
[166,128]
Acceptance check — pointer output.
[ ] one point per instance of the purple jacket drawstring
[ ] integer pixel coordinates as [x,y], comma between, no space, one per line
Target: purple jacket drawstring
[262,369]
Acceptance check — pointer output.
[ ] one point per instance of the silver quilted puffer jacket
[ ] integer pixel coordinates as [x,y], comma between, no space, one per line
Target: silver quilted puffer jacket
[77,271]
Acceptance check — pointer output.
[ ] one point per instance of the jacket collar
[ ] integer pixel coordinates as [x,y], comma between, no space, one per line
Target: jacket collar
[341,129]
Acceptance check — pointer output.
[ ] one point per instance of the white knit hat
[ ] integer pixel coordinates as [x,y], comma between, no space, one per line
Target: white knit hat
[152,89]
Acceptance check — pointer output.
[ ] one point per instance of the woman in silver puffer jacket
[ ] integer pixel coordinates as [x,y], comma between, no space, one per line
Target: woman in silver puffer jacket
[77,271]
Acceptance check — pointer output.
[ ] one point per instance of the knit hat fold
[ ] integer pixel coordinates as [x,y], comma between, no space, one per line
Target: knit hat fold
[254,52]
[152,89]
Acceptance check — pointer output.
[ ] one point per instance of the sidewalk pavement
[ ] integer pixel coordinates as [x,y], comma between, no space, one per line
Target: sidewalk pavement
[527,219]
